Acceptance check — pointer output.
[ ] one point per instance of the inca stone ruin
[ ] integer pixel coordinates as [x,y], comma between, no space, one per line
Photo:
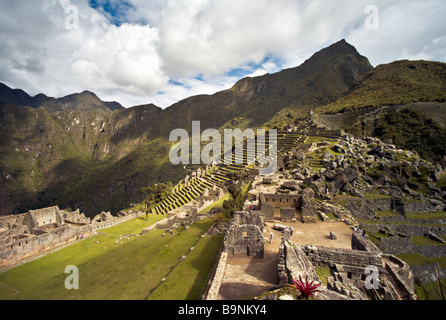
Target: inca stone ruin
[276,207]
[38,231]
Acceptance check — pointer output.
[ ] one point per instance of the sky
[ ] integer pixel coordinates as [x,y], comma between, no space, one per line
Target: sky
[162,51]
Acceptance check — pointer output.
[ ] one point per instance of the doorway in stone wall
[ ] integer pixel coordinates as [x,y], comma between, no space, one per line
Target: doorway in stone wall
[299,216]
[277,213]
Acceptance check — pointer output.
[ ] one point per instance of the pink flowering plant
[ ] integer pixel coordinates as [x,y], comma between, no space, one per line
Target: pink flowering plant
[306,288]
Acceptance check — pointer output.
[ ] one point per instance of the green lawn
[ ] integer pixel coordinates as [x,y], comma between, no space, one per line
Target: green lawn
[189,278]
[217,204]
[130,269]
[134,226]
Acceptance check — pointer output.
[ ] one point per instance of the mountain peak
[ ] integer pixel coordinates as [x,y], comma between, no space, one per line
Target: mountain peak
[85,100]
[86,92]
[342,46]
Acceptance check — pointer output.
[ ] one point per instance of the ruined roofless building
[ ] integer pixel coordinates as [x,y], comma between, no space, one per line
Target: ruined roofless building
[245,235]
[39,230]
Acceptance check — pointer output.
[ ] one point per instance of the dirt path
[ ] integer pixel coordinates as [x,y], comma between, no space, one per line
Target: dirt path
[247,277]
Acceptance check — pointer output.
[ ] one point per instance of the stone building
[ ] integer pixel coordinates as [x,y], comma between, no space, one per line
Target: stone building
[351,269]
[289,206]
[38,231]
[245,235]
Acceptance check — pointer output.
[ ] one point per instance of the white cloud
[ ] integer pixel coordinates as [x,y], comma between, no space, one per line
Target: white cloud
[407,30]
[134,62]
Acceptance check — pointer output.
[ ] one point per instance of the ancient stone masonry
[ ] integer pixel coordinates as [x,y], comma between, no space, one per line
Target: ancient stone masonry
[355,261]
[215,284]
[281,200]
[211,194]
[267,209]
[349,269]
[308,206]
[182,216]
[293,262]
[245,235]
[37,231]
[290,205]
[365,208]
[287,214]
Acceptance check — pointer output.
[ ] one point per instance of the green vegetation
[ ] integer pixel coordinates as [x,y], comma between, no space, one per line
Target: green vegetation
[188,280]
[442,183]
[92,159]
[105,271]
[430,215]
[134,226]
[383,214]
[396,83]
[323,273]
[156,194]
[238,193]
[425,241]
[411,129]
[430,291]
[415,259]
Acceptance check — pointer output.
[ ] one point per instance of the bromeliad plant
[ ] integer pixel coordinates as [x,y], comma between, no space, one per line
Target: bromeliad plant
[306,288]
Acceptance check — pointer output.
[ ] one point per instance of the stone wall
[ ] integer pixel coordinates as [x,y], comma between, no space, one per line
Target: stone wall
[33,237]
[245,235]
[46,216]
[328,257]
[397,245]
[16,219]
[348,266]
[362,244]
[244,240]
[287,214]
[293,262]
[27,246]
[217,278]
[422,207]
[365,208]
[12,234]
[281,200]
[408,229]
[169,223]
[308,206]
[110,223]
[266,208]
[309,214]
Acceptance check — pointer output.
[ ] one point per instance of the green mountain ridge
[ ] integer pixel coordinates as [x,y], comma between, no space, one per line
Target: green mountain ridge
[78,153]
[396,83]
[85,101]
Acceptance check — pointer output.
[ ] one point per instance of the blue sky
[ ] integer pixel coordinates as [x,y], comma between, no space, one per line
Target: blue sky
[162,51]
[115,11]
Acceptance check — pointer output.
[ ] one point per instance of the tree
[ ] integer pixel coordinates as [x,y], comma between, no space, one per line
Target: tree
[235,190]
[156,194]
